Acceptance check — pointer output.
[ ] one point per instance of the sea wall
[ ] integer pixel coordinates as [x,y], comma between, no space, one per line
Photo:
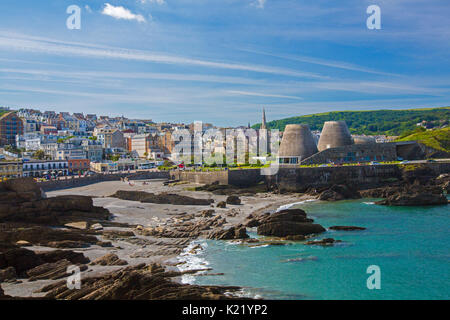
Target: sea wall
[200,177]
[84,181]
[300,179]
[355,153]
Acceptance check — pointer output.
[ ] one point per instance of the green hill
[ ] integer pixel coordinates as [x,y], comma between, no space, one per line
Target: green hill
[388,122]
[438,139]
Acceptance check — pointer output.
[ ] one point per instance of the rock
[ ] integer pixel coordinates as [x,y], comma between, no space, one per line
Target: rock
[8,274]
[207,213]
[56,255]
[222,204]
[346,228]
[110,260]
[339,192]
[233,200]
[137,283]
[253,222]
[97,226]
[82,225]
[104,244]
[288,222]
[116,234]
[408,197]
[23,243]
[20,259]
[69,244]
[297,237]
[238,232]
[52,271]
[163,198]
[323,242]
[43,236]
[26,188]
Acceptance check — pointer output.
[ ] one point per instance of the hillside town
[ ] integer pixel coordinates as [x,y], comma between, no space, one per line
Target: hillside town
[50,145]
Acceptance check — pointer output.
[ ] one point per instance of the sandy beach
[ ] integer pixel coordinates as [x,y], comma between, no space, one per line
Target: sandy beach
[136,216]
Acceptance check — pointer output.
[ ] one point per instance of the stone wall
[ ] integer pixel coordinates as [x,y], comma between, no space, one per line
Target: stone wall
[84,181]
[355,153]
[200,177]
[300,179]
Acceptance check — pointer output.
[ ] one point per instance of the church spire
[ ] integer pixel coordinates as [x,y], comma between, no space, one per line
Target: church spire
[263,123]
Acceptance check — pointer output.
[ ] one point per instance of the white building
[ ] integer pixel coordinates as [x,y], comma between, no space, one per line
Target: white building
[38,168]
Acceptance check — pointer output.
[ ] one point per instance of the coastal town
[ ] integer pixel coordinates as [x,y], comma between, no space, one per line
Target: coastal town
[214,159]
[50,145]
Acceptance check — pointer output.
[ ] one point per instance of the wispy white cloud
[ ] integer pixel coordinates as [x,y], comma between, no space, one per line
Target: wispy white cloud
[322,62]
[160,2]
[259,94]
[259,3]
[56,47]
[121,13]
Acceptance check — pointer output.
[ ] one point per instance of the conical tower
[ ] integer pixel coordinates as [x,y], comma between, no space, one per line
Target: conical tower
[297,144]
[334,134]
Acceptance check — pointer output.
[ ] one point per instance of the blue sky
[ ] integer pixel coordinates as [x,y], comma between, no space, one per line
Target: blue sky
[222,61]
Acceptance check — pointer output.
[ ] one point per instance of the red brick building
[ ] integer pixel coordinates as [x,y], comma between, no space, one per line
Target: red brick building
[79,166]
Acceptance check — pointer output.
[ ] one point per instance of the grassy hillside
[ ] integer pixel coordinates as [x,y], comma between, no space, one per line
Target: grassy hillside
[438,139]
[389,122]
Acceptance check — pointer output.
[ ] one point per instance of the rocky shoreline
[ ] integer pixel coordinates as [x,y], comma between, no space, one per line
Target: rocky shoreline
[42,236]
[125,238]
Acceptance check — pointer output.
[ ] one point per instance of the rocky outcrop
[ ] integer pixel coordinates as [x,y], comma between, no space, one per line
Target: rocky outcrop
[21,200]
[56,255]
[186,229]
[42,263]
[288,222]
[346,228]
[323,242]
[416,199]
[162,198]
[339,192]
[137,283]
[206,213]
[20,259]
[110,259]
[117,234]
[233,200]
[52,271]
[222,204]
[46,236]
[220,189]
[8,274]
[415,194]
[237,232]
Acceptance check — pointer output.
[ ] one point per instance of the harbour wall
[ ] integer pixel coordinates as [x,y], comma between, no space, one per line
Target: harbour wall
[300,179]
[84,181]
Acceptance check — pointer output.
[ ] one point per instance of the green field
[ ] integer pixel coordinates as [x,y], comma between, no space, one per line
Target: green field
[438,139]
[387,122]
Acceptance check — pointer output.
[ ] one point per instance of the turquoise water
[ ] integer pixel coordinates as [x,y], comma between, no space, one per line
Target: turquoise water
[411,245]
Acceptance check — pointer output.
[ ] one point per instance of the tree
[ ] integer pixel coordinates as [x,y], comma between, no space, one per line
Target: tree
[39,154]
